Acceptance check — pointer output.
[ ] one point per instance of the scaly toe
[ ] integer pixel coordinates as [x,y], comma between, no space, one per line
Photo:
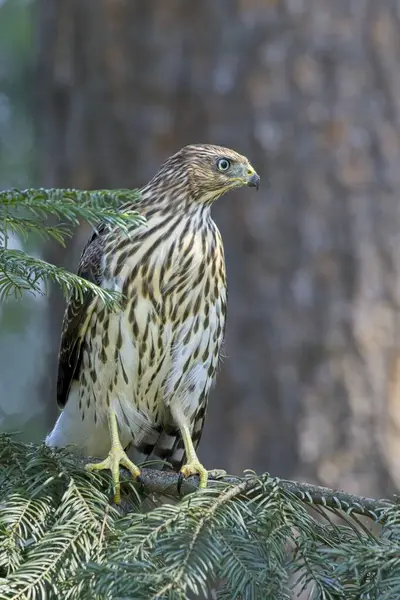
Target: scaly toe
[104,464]
[196,468]
[128,464]
[116,457]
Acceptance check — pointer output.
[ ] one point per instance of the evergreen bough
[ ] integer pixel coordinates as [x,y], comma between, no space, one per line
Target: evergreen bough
[255,537]
[28,212]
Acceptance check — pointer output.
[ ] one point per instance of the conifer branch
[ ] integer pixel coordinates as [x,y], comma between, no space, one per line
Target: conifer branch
[169,483]
[26,212]
[61,537]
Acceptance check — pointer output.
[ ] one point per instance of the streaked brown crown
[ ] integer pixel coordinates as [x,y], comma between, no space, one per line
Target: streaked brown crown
[196,169]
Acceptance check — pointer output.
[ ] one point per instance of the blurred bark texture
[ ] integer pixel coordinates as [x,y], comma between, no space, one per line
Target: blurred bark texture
[309,90]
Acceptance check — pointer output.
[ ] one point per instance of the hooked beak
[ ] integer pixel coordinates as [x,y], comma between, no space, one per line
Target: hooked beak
[254,181]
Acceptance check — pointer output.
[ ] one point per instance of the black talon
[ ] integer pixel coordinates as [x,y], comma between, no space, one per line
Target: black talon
[179,484]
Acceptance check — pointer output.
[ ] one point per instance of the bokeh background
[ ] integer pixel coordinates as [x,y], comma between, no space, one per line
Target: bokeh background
[97,93]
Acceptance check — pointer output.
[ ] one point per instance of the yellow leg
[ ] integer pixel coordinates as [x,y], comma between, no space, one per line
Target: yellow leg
[193,466]
[116,457]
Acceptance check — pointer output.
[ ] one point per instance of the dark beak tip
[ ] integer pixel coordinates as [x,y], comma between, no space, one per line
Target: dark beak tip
[254,181]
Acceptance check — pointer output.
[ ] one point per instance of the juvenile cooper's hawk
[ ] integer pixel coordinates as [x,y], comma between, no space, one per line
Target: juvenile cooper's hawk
[141,376]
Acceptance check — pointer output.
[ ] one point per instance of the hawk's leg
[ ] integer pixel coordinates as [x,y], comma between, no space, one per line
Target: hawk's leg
[193,466]
[117,456]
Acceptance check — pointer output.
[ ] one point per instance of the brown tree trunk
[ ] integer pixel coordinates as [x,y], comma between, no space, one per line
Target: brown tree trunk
[310,92]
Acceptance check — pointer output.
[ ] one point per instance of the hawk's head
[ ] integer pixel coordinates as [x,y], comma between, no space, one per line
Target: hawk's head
[207,172]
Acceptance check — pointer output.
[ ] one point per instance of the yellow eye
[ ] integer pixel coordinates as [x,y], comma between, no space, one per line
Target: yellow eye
[223,164]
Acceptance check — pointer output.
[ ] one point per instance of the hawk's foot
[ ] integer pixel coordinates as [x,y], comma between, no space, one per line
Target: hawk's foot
[116,457]
[194,467]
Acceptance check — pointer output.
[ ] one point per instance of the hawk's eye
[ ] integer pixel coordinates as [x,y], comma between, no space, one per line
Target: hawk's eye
[223,164]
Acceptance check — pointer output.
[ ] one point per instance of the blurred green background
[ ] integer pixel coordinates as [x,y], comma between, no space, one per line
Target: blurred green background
[97,93]
[22,324]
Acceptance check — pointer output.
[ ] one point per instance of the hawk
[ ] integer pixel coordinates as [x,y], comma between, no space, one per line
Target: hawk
[140,376]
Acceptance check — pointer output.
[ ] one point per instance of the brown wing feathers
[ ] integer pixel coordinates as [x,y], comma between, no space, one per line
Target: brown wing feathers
[76,320]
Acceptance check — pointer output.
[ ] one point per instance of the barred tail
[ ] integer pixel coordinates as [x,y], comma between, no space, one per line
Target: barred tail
[166,445]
